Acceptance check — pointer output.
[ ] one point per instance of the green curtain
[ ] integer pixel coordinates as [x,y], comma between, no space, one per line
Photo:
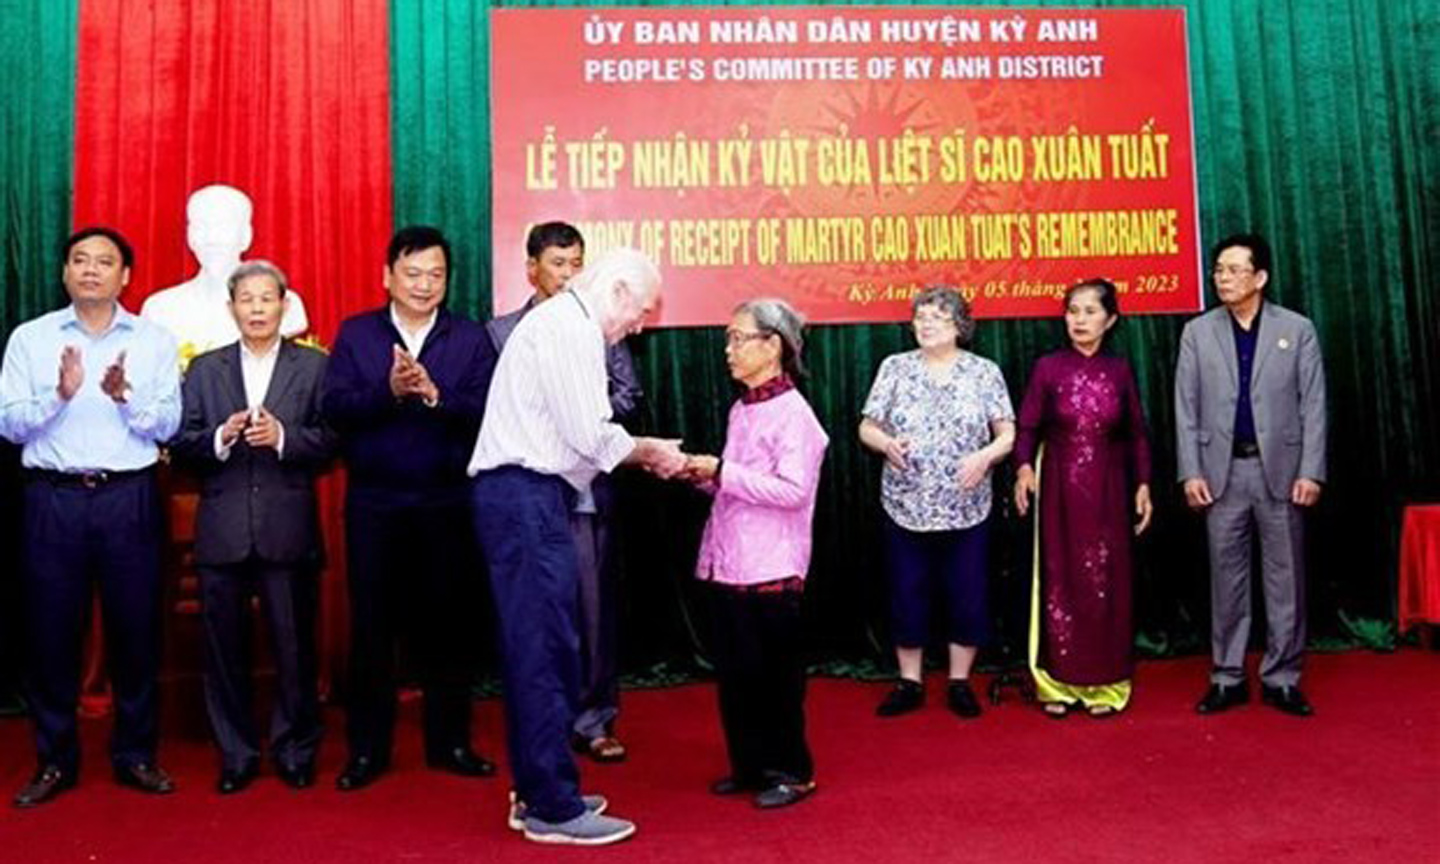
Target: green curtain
[38,40]
[1315,123]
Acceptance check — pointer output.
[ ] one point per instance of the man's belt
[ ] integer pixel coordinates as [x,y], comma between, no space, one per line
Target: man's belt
[85,479]
[1245,450]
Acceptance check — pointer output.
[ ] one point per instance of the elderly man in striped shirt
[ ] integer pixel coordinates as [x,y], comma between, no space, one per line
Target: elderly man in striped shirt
[547,432]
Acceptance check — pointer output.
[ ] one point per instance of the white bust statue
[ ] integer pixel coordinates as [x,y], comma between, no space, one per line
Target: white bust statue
[217,231]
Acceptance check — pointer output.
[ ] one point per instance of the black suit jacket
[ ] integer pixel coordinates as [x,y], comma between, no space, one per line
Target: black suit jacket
[256,501]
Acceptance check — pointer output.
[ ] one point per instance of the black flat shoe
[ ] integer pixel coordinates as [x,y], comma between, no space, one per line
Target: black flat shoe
[359,773]
[905,697]
[1223,697]
[1287,699]
[48,782]
[462,761]
[961,699]
[729,785]
[300,776]
[784,794]
[234,780]
[145,777]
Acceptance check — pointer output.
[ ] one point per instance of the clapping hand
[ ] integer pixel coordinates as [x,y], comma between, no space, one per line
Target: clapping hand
[409,377]
[114,384]
[72,373]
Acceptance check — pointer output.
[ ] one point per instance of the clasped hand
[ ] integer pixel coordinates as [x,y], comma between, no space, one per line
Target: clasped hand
[259,427]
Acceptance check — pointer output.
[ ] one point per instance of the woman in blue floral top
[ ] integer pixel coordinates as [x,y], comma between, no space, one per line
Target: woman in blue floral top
[941,417]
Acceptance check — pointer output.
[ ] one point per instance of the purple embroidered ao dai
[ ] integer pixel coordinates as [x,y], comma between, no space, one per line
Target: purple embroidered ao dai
[1086,412]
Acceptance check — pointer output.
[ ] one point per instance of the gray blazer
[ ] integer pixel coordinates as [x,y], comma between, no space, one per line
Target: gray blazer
[1287,396]
[256,501]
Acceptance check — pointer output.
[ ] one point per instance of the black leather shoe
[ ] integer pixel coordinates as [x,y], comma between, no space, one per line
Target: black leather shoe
[784,794]
[234,780]
[359,773]
[145,777]
[731,785]
[961,699]
[1287,699]
[300,776]
[905,697]
[48,782]
[462,761]
[1222,697]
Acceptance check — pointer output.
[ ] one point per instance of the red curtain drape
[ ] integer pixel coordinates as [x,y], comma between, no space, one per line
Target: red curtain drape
[287,100]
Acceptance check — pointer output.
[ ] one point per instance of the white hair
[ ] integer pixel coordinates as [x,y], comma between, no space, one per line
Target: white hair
[619,266]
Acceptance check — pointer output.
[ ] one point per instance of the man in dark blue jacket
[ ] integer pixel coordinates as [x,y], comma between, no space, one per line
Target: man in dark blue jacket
[405,389]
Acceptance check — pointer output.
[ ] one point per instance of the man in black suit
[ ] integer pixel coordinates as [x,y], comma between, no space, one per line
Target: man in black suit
[253,430]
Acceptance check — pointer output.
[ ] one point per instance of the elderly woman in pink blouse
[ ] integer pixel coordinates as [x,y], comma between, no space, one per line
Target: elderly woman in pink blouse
[754,554]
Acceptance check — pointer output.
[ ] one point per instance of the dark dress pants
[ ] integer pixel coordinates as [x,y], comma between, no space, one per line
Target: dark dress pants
[409,559]
[523,522]
[760,672]
[287,595]
[74,535]
[599,598]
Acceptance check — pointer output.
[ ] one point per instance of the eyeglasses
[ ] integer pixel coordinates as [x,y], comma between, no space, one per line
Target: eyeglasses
[736,338]
[1231,270]
[934,319]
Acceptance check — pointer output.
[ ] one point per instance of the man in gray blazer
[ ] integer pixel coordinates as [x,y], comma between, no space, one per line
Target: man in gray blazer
[252,430]
[555,251]
[1250,430]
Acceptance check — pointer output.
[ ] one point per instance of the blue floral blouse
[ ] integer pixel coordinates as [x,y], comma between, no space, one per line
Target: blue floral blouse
[944,421]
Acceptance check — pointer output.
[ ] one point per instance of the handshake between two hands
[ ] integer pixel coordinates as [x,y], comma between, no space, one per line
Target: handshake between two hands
[664,458]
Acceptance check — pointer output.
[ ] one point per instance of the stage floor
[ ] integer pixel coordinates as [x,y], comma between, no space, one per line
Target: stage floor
[1360,781]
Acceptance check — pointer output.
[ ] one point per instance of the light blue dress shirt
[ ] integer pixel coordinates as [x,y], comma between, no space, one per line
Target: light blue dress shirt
[91,432]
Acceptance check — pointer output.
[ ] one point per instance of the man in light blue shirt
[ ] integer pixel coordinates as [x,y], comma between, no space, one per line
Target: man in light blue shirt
[89,392]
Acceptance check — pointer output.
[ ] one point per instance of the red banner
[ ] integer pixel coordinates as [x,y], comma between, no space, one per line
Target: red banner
[846,158]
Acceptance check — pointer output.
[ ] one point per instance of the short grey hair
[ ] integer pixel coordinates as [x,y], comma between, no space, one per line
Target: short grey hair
[949,300]
[258,267]
[775,317]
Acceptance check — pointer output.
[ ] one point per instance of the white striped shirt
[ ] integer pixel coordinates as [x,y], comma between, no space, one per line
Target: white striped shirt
[549,408]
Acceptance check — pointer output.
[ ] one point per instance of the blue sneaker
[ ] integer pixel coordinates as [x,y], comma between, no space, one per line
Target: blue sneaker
[516,820]
[587,829]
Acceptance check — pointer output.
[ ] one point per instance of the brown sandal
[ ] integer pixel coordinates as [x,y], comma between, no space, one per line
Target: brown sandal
[606,748]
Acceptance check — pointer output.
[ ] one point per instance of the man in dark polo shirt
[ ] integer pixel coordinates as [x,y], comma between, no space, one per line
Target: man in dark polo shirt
[405,389]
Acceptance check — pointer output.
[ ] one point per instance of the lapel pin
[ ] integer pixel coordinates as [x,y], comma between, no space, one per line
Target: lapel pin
[1283,343]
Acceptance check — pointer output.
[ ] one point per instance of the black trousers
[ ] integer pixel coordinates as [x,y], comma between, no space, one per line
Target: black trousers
[74,536]
[287,595]
[761,675]
[412,571]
